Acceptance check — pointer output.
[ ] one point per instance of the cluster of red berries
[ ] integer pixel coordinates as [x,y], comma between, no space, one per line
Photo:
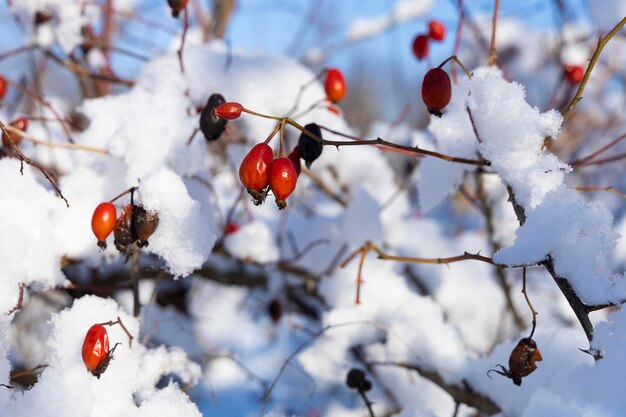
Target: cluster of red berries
[436,32]
[132,228]
[573,73]
[20,123]
[177,6]
[96,352]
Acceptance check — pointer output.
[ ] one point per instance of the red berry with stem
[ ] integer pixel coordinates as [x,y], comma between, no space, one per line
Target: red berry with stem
[4,86]
[229,110]
[420,46]
[335,85]
[103,222]
[436,90]
[436,30]
[96,353]
[282,179]
[255,169]
[573,73]
[21,124]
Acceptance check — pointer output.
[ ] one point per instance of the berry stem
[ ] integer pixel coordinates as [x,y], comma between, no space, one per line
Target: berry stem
[458,61]
[130,190]
[282,133]
[271,135]
[532,310]
[265,116]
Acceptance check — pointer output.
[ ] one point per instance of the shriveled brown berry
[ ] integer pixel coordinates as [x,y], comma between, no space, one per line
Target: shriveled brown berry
[144,224]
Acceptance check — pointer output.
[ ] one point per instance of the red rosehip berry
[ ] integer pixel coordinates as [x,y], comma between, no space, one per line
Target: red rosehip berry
[229,111]
[282,180]
[335,85]
[103,222]
[294,157]
[436,90]
[96,353]
[254,171]
[436,30]
[420,46]
[21,124]
[231,228]
[4,86]
[573,73]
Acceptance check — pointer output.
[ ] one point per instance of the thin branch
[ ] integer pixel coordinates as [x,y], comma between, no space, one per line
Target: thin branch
[494,21]
[610,189]
[26,160]
[594,58]
[460,393]
[182,39]
[33,139]
[532,309]
[78,70]
[585,160]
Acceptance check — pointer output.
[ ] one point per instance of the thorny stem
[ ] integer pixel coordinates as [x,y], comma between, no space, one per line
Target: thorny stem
[594,58]
[492,48]
[367,402]
[360,142]
[532,309]
[24,159]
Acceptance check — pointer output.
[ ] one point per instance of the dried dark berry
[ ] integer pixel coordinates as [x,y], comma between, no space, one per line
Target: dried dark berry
[521,361]
[275,309]
[356,380]
[177,6]
[42,16]
[212,126]
[309,148]
[124,232]
[144,224]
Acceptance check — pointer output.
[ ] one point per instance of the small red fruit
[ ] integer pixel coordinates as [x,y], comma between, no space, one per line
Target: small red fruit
[255,169]
[103,222]
[4,86]
[436,30]
[282,179]
[96,353]
[436,90]
[21,124]
[229,111]
[335,85]
[420,46]
[573,73]
[231,228]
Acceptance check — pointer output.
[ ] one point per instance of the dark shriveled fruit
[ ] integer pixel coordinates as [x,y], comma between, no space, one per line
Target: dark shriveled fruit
[124,232]
[309,148]
[144,224]
[212,126]
[436,90]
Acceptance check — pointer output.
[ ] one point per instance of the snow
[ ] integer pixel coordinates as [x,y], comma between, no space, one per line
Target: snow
[205,342]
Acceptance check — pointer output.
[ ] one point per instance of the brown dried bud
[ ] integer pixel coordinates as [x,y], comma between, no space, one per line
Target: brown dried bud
[123,232]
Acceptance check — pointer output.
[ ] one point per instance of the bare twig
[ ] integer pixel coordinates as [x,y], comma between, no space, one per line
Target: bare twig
[494,21]
[33,139]
[26,160]
[594,58]
[532,309]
